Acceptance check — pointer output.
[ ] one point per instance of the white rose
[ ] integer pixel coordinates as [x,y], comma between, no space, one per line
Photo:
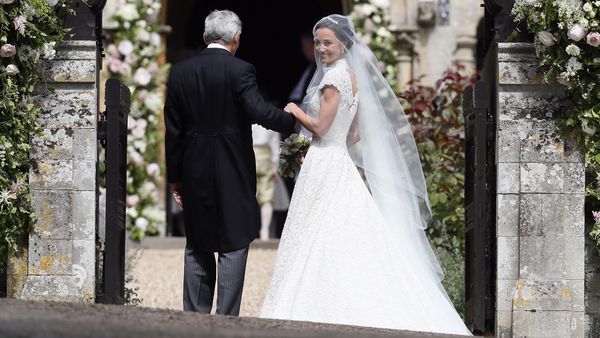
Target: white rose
[142,223]
[153,101]
[143,35]
[6,2]
[125,47]
[153,169]
[7,50]
[128,12]
[155,39]
[12,70]
[587,7]
[142,76]
[546,38]
[380,3]
[576,33]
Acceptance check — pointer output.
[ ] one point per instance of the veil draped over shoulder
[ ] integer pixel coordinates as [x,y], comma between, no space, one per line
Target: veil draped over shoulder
[386,151]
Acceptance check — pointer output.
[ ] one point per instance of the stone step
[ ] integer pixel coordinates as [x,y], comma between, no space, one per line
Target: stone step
[52,319]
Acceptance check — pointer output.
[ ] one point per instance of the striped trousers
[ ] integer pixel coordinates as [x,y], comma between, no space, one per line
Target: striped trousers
[199,278]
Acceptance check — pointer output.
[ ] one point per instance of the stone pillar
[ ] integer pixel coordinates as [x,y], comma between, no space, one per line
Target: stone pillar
[540,200]
[403,14]
[59,263]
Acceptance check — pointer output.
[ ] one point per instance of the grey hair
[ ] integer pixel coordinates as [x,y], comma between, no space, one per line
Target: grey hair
[221,25]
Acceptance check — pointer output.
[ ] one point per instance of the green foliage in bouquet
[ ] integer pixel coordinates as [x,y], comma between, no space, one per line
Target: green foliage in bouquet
[291,154]
[29,32]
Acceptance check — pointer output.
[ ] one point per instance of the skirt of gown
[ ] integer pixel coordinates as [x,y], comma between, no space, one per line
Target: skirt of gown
[337,263]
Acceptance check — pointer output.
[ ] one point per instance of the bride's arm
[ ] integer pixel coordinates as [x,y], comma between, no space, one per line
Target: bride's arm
[354,133]
[319,125]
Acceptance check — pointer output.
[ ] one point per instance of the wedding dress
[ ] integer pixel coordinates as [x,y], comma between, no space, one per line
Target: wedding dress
[338,261]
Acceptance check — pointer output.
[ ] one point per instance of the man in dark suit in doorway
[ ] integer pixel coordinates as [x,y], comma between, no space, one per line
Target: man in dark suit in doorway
[212,102]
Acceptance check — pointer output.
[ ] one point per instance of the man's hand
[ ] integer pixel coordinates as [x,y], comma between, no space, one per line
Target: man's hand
[178,193]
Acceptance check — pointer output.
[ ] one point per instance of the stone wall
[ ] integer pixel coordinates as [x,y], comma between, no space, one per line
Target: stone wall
[540,200]
[59,263]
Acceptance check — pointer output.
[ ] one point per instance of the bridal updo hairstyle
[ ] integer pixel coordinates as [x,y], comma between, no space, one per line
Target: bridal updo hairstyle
[340,28]
[221,25]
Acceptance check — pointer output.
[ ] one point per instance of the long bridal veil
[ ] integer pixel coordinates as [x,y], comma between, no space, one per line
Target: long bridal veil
[386,151]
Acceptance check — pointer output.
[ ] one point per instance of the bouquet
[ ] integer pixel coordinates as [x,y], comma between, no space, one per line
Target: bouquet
[291,154]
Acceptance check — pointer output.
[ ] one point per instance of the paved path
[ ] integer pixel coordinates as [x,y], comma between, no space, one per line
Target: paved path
[158,273]
[49,319]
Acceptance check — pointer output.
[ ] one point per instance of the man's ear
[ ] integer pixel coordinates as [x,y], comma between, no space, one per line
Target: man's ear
[204,38]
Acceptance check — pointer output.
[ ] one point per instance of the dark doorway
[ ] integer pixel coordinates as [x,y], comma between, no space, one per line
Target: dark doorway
[270,36]
[270,40]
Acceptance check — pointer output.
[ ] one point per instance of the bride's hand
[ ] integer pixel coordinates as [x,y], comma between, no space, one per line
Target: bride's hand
[293,109]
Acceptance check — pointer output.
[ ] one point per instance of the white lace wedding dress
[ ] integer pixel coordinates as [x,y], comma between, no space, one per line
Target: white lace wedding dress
[336,262]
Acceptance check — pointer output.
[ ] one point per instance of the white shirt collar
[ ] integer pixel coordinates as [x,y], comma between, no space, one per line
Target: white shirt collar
[216,45]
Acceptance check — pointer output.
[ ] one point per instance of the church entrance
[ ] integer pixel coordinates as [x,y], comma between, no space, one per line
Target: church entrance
[270,40]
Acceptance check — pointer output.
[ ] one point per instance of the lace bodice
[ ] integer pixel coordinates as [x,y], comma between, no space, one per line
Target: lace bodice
[338,75]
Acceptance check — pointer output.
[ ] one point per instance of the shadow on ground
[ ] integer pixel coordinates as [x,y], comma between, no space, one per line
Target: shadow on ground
[52,319]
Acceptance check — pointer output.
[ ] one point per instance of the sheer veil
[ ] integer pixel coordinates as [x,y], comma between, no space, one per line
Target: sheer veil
[386,151]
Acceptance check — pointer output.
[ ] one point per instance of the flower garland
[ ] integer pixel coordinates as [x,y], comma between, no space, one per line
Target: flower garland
[567,42]
[132,57]
[29,32]
[371,20]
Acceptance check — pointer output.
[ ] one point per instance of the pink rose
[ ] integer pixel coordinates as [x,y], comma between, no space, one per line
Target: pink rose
[7,50]
[142,76]
[153,169]
[576,33]
[593,39]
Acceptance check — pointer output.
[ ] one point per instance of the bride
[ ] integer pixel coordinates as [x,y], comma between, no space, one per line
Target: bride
[355,252]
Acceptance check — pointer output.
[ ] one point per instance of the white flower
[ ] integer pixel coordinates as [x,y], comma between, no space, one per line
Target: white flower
[573,66]
[27,53]
[153,169]
[153,101]
[52,3]
[142,76]
[125,47]
[148,2]
[143,35]
[546,38]
[142,223]
[155,39]
[128,12]
[586,128]
[576,33]
[12,70]
[7,50]
[132,200]
[380,3]
[48,51]
[587,7]
[532,2]
[19,23]
[6,2]
[584,22]
[573,50]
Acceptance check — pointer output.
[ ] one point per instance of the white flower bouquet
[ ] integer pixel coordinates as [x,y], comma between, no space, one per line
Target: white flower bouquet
[291,154]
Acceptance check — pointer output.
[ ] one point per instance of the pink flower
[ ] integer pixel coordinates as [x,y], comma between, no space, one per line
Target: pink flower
[153,169]
[125,68]
[132,200]
[593,39]
[142,94]
[153,68]
[142,76]
[7,50]
[596,216]
[113,51]
[19,23]
[125,47]
[576,33]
